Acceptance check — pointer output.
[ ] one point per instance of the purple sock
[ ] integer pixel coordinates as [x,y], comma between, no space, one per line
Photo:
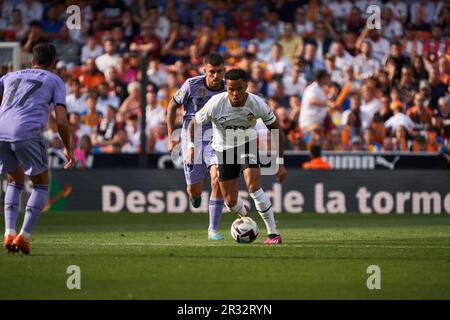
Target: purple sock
[215,213]
[12,206]
[35,205]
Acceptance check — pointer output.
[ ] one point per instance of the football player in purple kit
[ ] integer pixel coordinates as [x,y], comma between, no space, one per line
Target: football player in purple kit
[24,111]
[193,95]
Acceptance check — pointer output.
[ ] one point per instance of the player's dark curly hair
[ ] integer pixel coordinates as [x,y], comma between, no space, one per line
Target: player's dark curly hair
[44,53]
[236,74]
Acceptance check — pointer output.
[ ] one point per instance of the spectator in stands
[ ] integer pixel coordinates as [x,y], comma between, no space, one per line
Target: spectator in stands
[315,103]
[273,25]
[245,23]
[365,65]
[399,119]
[78,128]
[333,141]
[177,44]
[31,10]
[51,25]
[422,13]
[91,49]
[437,88]
[290,42]
[109,14]
[106,129]
[132,104]
[355,107]
[147,42]
[263,43]
[129,24]
[380,45]
[76,100]
[33,37]
[154,112]
[106,98]
[51,136]
[293,82]
[385,111]
[16,30]
[158,139]
[321,39]
[233,48]
[91,118]
[311,63]
[303,27]
[369,143]
[336,74]
[419,113]
[155,73]
[370,103]
[342,57]
[67,50]
[90,77]
[392,28]
[317,162]
[109,58]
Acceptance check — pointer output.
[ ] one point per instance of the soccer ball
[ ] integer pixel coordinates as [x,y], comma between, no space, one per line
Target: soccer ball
[244,230]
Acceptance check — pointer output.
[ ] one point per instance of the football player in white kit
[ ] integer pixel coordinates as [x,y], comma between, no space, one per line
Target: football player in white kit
[233,115]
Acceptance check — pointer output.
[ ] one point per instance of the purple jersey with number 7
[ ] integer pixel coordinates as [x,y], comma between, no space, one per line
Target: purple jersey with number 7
[26,97]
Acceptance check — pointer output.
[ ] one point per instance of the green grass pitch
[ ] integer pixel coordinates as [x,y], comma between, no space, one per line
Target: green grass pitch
[168,256]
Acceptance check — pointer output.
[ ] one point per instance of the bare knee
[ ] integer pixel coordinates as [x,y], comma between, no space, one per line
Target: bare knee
[253,187]
[41,179]
[194,191]
[230,202]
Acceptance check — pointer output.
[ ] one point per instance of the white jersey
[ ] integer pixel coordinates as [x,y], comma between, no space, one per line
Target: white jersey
[234,126]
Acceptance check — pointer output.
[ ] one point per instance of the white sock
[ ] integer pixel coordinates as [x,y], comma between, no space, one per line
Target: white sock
[265,210]
[239,208]
[10,232]
[25,235]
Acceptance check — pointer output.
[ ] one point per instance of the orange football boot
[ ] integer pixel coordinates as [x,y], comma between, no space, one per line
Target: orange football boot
[8,244]
[21,244]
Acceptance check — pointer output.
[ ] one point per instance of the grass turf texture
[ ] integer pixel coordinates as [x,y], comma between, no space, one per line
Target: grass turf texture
[168,256]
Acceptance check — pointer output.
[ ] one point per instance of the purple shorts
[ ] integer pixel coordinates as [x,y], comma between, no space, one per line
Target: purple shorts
[202,162]
[30,154]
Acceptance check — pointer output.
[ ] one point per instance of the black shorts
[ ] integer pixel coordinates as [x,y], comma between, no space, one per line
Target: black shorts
[233,161]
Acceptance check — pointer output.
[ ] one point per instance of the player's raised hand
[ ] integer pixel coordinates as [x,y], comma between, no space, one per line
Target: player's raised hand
[281,174]
[70,159]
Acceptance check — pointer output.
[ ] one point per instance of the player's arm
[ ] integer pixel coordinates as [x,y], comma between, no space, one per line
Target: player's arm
[281,174]
[64,132]
[180,98]
[203,116]
[171,116]
[59,100]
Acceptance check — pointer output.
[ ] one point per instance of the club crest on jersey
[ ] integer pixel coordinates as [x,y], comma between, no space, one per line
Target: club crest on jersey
[251,119]
[201,92]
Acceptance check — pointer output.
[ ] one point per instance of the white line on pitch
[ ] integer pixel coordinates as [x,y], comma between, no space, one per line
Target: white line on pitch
[145,244]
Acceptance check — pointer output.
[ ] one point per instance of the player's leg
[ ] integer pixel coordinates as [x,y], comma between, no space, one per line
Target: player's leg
[262,203]
[215,205]
[33,156]
[216,199]
[194,191]
[10,164]
[228,182]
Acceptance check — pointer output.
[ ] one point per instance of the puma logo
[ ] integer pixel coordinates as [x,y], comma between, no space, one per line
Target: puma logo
[383,162]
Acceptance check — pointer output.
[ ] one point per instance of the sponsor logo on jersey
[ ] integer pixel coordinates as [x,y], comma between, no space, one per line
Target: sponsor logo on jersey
[179,95]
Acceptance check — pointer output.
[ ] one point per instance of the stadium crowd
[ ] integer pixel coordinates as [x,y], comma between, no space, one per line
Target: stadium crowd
[330,79]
